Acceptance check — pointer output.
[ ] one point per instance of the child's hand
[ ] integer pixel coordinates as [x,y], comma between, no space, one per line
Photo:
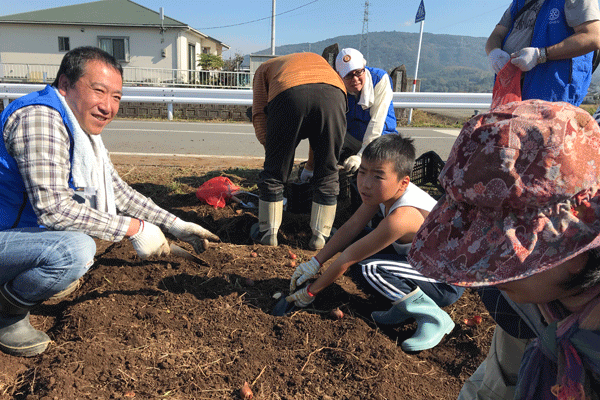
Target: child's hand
[304,272]
[301,298]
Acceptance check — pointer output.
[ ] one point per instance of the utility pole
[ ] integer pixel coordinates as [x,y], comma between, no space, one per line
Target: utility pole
[364,38]
[419,18]
[273,30]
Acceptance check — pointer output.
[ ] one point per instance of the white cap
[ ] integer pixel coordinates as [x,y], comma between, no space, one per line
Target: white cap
[348,60]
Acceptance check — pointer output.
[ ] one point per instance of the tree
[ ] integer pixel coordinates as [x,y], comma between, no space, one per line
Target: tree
[210,61]
[234,63]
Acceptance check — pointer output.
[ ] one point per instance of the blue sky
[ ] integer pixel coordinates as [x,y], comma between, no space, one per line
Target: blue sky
[246,25]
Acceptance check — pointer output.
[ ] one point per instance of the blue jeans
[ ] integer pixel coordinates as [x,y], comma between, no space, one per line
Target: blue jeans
[38,263]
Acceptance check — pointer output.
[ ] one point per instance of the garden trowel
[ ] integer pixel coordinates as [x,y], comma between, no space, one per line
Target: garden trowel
[283,308]
[181,252]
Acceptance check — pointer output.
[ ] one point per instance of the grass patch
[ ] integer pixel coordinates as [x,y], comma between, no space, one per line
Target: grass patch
[422,119]
[591,108]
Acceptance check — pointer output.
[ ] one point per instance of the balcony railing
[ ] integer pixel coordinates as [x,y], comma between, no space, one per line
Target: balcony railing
[134,76]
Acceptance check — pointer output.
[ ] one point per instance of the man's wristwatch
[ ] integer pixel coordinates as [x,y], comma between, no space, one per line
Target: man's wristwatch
[543,57]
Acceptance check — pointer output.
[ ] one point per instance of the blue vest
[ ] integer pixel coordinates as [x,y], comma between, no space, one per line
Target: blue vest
[555,80]
[358,119]
[15,208]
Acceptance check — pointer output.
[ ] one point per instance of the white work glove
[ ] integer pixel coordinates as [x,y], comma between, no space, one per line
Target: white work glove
[498,59]
[526,58]
[352,163]
[149,241]
[301,298]
[192,233]
[304,272]
[306,175]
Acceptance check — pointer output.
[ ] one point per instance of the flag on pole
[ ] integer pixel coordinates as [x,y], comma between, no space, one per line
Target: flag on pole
[420,13]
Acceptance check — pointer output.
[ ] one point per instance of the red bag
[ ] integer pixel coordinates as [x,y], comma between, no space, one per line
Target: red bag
[216,191]
[507,87]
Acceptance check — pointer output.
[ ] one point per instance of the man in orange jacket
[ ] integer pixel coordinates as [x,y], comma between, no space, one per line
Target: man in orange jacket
[298,96]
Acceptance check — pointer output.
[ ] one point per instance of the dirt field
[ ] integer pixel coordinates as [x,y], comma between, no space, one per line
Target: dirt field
[168,328]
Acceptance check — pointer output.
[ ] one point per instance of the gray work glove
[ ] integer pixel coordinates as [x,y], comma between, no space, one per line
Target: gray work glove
[498,59]
[304,272]
[526,58]
[301,298]
[149,241]
[306,175]
[192,233]
[352,163]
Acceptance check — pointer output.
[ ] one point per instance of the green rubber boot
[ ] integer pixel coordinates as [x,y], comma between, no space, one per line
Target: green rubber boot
[432,322]
[17,336]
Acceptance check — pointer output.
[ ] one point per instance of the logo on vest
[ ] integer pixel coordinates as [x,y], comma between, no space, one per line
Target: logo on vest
[553,16]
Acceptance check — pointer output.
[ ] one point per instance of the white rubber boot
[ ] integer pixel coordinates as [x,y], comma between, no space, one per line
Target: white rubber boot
[321,222]
[269,220]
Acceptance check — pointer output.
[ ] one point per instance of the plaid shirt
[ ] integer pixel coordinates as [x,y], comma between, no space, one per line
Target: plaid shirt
[38,140]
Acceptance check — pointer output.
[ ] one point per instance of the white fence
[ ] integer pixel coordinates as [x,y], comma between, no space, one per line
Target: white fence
[174,95]
[134,76]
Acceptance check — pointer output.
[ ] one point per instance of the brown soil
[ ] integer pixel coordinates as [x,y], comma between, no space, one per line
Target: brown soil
[169,328]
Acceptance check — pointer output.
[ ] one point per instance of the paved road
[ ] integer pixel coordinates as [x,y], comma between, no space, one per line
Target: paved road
[228,140]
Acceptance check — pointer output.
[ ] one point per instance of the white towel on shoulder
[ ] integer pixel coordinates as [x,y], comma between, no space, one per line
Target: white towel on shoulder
[367,94]
[90,166]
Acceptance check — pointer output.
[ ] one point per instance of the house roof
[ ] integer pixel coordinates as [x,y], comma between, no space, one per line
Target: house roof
[103,12]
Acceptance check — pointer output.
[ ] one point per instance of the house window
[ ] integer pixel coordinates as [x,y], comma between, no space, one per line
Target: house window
[117,46]
[206,50]
[63,43]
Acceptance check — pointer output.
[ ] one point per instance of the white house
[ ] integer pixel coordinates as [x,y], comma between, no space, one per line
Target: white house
[135,35]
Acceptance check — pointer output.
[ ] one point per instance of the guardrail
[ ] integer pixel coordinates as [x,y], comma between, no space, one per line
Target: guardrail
[481,101]
[239,97]
[161,77]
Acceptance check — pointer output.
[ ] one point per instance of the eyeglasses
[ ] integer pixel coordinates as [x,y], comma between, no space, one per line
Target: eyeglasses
[357,73]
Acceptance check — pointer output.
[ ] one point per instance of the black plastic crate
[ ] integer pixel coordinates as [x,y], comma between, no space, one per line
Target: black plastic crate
[345,180]
[299,197]
[299,194]
[425,173]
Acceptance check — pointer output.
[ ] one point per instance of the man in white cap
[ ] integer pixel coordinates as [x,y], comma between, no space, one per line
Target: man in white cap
[370,109]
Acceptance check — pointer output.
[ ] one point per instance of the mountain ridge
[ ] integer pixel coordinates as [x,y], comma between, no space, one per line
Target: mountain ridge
[448,63]
[444,65]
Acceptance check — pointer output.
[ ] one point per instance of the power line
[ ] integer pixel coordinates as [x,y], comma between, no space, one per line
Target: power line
[260,19]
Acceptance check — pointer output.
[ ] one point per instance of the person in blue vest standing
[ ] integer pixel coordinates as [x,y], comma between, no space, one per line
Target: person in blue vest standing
[553,42]
[59,189]
[370,111]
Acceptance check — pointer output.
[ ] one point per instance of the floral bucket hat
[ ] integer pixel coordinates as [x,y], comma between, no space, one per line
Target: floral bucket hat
[521,197]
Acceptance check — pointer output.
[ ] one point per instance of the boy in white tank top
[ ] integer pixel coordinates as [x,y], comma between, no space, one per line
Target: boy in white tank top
[376,258]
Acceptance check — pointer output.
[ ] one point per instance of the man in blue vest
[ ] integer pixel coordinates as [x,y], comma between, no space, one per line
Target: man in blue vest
[553,42]
[370,109]
[59,189]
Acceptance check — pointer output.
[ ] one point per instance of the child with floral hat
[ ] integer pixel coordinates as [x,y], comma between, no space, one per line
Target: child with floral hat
[521,214]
